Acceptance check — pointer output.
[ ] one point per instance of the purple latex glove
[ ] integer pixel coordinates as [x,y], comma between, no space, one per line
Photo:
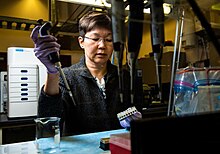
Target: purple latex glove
[44,46]
[125,123]
[127,116]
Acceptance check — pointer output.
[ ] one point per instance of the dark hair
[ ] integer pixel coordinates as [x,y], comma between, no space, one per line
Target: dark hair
[93,20]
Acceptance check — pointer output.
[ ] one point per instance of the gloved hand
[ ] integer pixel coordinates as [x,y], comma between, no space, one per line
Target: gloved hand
[127,116]
[44,46]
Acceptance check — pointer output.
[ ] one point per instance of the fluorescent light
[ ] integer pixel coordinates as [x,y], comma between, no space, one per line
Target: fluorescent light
[99,3]
[102,3]
[216,7]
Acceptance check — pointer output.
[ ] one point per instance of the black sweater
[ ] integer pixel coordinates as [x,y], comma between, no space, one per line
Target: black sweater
[92,112]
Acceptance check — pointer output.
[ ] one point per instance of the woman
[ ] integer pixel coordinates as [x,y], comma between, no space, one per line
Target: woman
[93,81]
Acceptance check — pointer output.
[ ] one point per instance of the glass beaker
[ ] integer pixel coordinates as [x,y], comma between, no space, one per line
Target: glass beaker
[47,138]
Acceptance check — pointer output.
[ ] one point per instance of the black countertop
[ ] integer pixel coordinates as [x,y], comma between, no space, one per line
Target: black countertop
[5,121]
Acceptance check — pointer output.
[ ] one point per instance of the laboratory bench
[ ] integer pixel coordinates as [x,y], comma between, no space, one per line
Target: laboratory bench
[146,135]
[16,129]
[23,129]
[77,144]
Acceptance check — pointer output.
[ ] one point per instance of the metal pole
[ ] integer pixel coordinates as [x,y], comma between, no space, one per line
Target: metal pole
[170,103]
[180,41]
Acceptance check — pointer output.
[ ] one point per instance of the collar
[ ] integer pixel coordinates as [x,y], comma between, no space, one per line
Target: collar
[111,69]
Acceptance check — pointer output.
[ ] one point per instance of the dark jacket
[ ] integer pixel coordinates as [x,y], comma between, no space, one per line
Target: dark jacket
[92,112]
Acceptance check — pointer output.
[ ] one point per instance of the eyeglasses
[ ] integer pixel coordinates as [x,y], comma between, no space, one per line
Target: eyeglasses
[98,40]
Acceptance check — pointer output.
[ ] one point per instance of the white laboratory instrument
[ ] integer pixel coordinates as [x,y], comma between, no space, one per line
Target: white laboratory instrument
[26,76]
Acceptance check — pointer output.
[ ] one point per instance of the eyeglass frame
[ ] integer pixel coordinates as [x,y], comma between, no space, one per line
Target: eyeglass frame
[98,39]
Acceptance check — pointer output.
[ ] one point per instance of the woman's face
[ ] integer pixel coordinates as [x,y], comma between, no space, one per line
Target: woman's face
[97,45]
